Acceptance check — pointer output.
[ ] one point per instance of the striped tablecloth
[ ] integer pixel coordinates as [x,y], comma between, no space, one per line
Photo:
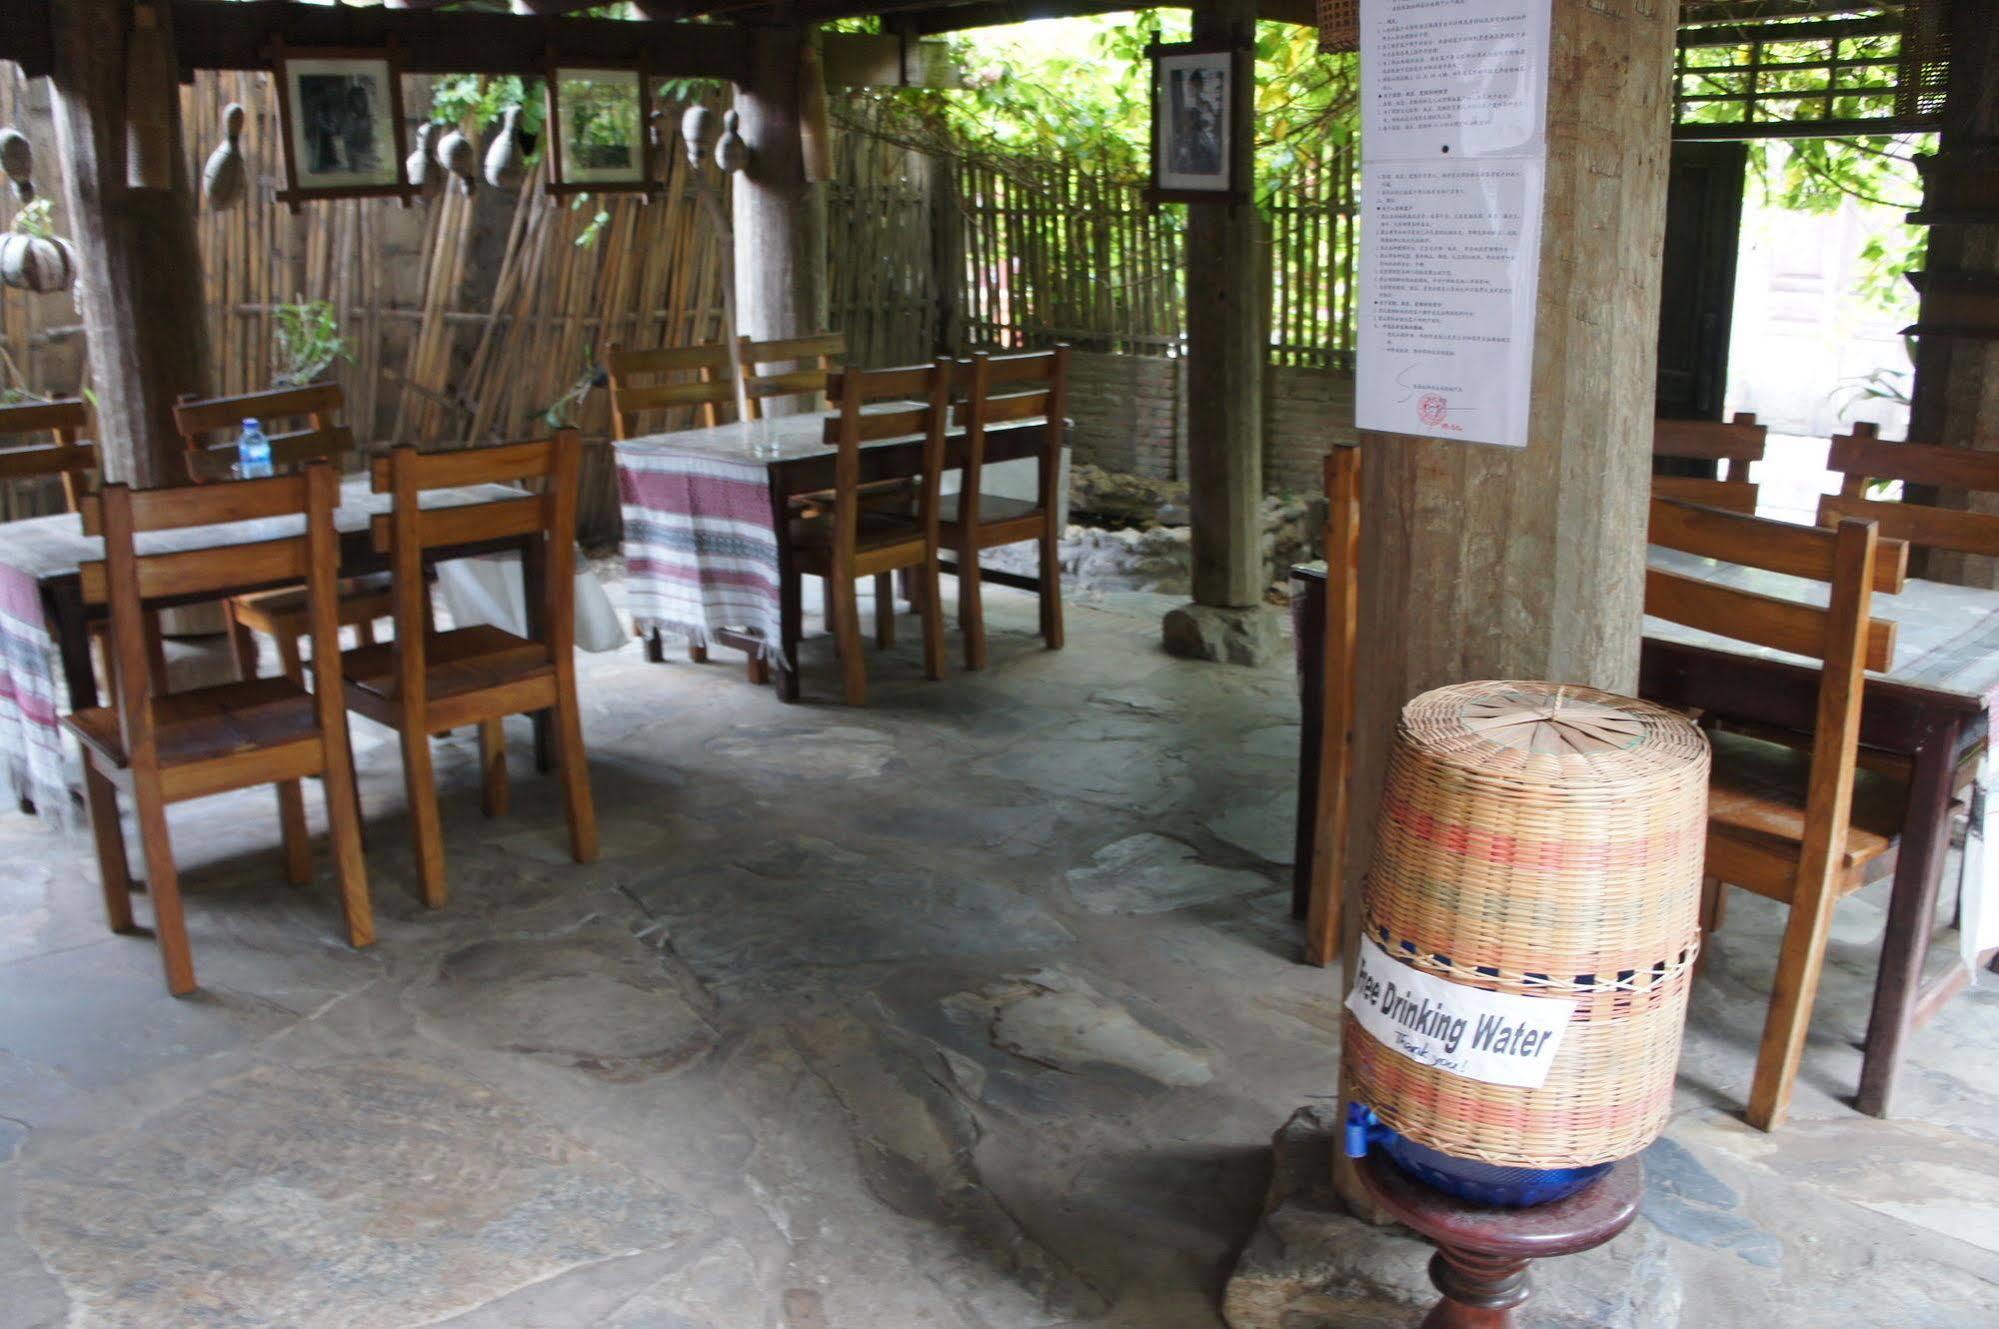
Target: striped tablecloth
[31,744]
[700,545]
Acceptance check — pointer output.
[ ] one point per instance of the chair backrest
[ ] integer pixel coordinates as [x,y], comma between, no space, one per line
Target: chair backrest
[198,420]
[22,458]
[918,405]
[289,453]
[1731,445]
[790,367]
[1864,457]
[1842,635]
[541,523]
[659,380]
[1000,389]
[300,545]
[1728,495]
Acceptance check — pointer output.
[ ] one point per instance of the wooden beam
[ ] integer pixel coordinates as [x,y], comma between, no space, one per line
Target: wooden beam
[238,34]
[780,216]
[868,60]
[999,13]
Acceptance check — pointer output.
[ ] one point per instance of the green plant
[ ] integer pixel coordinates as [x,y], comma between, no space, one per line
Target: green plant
[308,340]
[37,218]
[561,413]
[482,99]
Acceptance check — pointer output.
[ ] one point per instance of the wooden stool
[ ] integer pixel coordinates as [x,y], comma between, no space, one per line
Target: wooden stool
[1483,1252]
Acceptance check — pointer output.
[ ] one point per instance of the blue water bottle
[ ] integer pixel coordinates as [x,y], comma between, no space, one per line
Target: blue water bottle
[253,452]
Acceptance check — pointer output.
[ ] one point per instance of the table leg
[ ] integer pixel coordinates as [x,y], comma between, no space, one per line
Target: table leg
[64,605]
[791,607]
[1911,907]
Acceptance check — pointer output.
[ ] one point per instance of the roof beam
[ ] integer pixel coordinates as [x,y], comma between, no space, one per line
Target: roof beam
[997,13]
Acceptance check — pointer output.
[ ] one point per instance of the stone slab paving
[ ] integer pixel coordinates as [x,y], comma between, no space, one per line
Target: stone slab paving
[974,1009]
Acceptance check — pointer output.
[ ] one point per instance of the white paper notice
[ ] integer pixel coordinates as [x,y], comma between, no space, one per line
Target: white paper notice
[1494,1037]
[1459,78]
[1449,255]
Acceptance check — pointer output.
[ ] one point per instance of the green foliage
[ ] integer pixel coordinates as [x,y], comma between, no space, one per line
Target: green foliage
[481,99]
[307,341]
[36,217]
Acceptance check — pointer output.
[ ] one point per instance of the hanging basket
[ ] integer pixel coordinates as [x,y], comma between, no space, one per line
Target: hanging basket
[36,263]
[1540,842]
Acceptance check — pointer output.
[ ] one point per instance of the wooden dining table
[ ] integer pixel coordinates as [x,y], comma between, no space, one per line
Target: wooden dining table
[1933,707]
[704,510]
[43,615]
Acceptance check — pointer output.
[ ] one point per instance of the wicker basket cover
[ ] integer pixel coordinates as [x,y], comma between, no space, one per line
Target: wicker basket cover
[1541,840]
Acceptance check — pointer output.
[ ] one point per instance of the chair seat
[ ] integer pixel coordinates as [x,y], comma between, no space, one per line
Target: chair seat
[462,660]
[1757,793]
[992,509]
[362,600]
[876,530]
[209,723]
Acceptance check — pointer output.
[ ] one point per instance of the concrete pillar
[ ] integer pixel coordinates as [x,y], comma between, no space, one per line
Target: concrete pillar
[780,218]
[1485,562]
[138,261]
[1955,397]
[1227,344]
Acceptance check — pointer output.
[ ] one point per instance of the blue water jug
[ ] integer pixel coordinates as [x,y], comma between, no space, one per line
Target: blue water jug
[1466,1178]
[253,452]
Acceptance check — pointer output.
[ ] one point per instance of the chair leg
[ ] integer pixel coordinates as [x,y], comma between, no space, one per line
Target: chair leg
[242,644]
[791,613]
[971,606]
[575,765]
[1714,904]
[932,609]
[847,630]
[884,610]
[655,648]
[364,632]
[112,868]
[696,652]
[1051,588]
[156,651]
[343,820]
[827,606]
[169,923]
[426,835]
[1784,1028]
[493,798]
[291,826]
[288,658]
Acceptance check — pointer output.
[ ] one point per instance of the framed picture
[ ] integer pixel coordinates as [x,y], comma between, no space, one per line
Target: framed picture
[597,129]
[1195,157]
[341,112]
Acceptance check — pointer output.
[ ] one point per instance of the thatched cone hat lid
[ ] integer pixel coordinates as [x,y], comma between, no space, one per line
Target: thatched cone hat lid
[1544,841]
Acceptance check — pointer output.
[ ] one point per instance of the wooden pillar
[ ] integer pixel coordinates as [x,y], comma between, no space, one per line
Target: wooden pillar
[1226,349]
[1955,395]
[780,217]
[138,262]
[1486,562]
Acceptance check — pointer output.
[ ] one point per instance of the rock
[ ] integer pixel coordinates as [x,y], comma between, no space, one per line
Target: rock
[1264,824]
[1251,636]
[1312,1265]
[1151,874]
[1065,1024]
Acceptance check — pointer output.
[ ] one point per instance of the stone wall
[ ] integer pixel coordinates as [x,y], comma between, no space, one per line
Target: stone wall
[1130,414]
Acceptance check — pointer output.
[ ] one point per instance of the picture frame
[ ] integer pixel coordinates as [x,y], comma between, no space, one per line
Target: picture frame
[1196,157]
[599,129]
[340,113]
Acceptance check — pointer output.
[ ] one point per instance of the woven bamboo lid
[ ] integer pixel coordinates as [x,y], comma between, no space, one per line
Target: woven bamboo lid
[1542,840]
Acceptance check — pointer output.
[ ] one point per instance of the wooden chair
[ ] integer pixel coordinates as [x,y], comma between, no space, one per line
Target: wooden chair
[790,367]
[1799,824]
[1707,461]
[281,614]
[852,537]
[161,748]
[426,682]
[1001,389]
[639,383]
[1864,457]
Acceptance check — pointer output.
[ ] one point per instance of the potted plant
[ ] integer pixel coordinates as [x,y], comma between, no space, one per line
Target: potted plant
[308,342]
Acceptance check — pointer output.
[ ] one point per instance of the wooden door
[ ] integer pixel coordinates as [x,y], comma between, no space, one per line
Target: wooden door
[1703,229]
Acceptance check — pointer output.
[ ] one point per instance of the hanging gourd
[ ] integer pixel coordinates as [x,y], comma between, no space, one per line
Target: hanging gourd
[505,157]
[224,178]
[697,125]
[456,154]
[31,257]
[17,159]
[421,167]
[731,152]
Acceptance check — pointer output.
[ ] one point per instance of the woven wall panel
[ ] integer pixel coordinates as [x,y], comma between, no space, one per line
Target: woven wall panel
[1339,25]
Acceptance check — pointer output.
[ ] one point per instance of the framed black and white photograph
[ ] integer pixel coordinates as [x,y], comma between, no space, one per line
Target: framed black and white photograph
[342,117]
[597,120]
[1194,157]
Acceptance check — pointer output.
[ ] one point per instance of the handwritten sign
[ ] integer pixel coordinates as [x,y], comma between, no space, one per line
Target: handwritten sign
[1494,1037]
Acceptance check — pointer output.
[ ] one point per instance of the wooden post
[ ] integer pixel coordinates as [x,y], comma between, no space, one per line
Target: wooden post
[1955,395]
[139,266]
[780,218]
[1485,562]
[1226,349]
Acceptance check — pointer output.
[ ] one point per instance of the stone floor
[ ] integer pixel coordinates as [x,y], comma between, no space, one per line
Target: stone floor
[973,1009]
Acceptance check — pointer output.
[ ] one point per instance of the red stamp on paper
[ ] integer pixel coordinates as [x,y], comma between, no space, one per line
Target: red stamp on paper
[1430,410]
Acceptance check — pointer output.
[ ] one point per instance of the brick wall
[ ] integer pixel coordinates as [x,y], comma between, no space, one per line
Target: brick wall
[1130,415]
